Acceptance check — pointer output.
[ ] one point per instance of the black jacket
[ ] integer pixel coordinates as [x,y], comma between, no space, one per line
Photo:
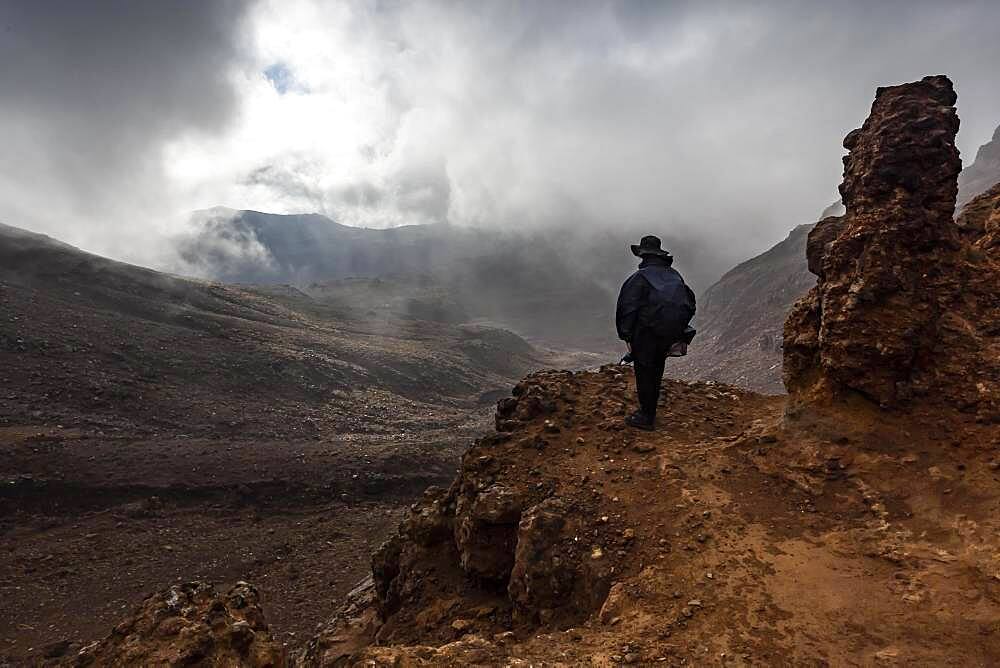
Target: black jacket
[631,316]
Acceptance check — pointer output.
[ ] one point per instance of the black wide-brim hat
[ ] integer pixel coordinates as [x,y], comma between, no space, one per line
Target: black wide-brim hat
[649,245]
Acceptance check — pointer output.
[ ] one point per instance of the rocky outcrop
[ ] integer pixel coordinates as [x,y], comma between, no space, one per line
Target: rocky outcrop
[347,634]
[502,535]
[901,309]
[983,173]
[820,237]
[740,317]
[190,624]
[531,536]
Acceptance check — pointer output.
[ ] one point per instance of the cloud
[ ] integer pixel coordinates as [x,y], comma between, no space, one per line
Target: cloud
[717,120]
[222,247]
[90,94]
[715,123]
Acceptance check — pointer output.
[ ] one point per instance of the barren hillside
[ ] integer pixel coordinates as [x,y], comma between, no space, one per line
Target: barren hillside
[558,285]
[153,428]
[739,319]
[983,173]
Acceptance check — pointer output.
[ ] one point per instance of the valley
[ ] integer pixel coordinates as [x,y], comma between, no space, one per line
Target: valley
[154,427]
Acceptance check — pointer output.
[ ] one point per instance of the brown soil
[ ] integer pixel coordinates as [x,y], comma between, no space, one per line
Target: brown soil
[734,537]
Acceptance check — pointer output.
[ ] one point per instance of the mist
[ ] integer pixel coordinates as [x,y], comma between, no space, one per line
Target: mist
[715,125]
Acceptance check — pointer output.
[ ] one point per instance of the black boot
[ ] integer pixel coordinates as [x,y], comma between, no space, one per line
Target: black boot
[640,420]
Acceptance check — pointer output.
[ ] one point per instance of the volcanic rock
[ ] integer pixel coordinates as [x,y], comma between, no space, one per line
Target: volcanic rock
[901,307]
[549,573]
[485,533]
[346,634]
[190,624]
[740,317]
[819,239]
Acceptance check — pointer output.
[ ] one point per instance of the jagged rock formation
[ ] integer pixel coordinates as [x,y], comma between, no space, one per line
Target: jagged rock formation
[740,318]
[514,536]
[190,624]
[983,173]
[902,310]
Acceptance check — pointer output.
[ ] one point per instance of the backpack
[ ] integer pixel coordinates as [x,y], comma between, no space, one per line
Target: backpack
[670,306]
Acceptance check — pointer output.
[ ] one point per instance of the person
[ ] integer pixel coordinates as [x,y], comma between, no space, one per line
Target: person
[654,308]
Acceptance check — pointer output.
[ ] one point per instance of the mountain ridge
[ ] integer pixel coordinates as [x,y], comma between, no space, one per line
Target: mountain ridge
[983,173]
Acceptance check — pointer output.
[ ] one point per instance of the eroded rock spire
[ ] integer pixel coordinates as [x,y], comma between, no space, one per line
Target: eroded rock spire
[899,311]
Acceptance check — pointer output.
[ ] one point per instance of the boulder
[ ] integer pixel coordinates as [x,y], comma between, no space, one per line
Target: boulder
[544,571]
[190,624]
[486,532]
[554,578]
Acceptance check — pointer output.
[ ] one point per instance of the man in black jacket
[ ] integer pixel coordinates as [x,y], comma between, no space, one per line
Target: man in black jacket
[654,307]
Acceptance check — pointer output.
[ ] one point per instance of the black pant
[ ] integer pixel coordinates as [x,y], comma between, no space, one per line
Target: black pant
[647,383]
[650,354]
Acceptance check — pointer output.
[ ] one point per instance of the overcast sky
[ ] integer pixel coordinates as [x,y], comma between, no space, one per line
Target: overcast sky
[721,121]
